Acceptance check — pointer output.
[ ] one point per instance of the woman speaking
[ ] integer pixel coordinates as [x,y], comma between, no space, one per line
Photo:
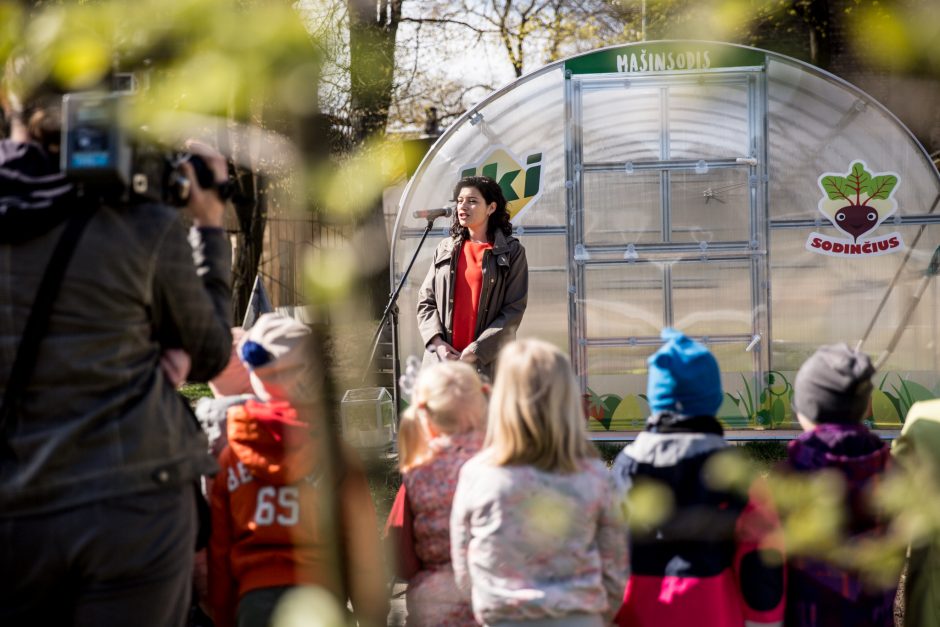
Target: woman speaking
[475,293]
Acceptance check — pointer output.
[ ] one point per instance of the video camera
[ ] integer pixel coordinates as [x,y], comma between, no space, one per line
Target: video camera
[98,152]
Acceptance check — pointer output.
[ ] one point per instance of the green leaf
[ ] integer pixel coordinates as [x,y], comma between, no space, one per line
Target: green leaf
[903,401]
[859,178]
[610,402]
[836,187]
[917,392]
[883,410]
[881,385]
[880,187]
[730,413]
[746,398]
[894,401]
[777,412]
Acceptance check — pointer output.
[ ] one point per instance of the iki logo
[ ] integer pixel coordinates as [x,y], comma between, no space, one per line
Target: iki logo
[520,181]
[857,202]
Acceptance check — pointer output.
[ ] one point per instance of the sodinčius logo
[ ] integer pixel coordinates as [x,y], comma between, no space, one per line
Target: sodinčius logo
[856,203]
[520,180]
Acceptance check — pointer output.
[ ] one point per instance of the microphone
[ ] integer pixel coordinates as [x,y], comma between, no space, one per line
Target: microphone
[433,214]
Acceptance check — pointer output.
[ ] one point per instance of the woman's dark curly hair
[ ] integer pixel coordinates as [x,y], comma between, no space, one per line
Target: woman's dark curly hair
[491,192]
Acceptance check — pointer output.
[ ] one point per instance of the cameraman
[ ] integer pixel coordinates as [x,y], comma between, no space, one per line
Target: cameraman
[99,455]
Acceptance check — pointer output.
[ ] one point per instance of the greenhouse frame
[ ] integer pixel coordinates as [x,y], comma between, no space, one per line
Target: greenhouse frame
[757,203]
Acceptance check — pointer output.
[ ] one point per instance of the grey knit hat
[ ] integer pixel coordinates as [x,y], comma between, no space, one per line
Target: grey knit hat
[834,385]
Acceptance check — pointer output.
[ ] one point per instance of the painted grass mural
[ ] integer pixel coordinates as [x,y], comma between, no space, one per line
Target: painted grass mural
[769,407]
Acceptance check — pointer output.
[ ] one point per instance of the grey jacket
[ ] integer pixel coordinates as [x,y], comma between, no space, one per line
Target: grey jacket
[98,418]
[503,298]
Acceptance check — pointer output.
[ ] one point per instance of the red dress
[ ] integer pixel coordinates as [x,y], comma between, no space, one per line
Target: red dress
[467,287]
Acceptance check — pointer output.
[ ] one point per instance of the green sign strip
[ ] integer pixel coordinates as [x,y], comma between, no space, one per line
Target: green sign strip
[651,57]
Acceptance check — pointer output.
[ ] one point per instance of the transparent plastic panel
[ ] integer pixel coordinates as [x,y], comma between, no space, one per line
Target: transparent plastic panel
[524,123]
[819,299]
[710,207]
[817,126]
[623,300]
[622,208]
[409,340]
[842,296]
[546,315]
[712,298]
[617,378]
[621,123]
[708,121]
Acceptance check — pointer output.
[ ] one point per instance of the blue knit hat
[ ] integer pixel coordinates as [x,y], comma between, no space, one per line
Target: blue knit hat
[683,377]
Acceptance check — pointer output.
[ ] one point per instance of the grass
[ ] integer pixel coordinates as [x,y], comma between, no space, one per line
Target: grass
[765,455]
[192,392]
[384,480]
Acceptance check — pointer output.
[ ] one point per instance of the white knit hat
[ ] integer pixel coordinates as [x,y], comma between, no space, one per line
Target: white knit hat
[277,353]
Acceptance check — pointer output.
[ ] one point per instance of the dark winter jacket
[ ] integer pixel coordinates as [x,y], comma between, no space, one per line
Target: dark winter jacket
[502,299]
[714,559]
[819,593]
[98,418]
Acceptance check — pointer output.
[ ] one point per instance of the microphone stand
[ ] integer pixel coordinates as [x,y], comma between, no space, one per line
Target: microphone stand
[394,298]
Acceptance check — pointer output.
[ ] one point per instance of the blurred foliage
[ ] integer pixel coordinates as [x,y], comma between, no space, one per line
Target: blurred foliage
[888,35]
[205,56]
[650,503]
[246,70]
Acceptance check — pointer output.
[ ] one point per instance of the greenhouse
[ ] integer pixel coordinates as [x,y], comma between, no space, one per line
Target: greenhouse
[759,204]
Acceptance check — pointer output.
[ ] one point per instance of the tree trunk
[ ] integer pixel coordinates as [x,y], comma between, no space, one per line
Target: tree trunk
[251,208]
[373,25]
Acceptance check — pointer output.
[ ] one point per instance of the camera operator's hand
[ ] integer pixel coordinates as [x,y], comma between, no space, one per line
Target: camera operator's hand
[205,204]
[175,363]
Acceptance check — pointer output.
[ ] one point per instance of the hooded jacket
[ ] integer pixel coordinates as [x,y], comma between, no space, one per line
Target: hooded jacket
[703,563]
[268,509]
[503,298]
[820,593]
[98,418]
[264,507]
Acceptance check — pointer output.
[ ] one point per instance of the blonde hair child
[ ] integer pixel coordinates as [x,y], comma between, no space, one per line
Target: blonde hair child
[440,431]
[536,415]
[412,440]
[536,531]
[449,399]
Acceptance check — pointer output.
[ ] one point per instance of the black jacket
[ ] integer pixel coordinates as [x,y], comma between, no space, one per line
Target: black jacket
[98,418]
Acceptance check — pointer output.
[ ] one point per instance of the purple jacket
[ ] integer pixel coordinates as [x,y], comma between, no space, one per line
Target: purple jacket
[819,593]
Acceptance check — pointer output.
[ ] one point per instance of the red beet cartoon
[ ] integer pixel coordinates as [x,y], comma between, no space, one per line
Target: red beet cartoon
[856,220]
[859,201]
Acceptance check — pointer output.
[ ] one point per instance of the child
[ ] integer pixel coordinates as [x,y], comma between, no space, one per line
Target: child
[273,501]
[440,431]
[918,451]
[701,562]
[832,393]
[229,388]
[536,532]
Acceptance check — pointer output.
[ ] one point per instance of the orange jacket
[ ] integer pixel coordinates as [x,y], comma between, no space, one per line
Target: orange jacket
[267,508]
